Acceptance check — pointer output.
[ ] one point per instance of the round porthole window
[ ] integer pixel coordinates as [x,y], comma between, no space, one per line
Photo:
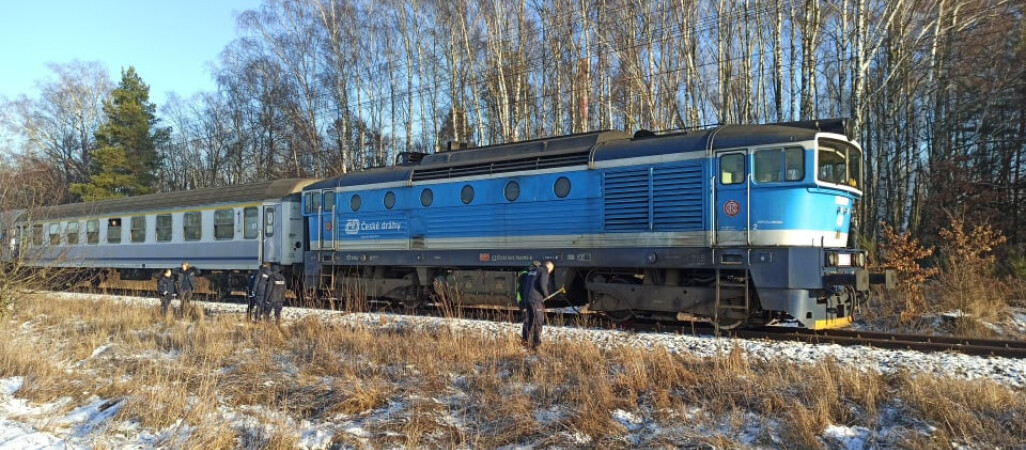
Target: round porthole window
[354,203]
[512,191]
[562,187]
[426,197]
[389,200]
[467,194]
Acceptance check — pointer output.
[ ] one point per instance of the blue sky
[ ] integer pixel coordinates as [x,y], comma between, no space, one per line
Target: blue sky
[172,44]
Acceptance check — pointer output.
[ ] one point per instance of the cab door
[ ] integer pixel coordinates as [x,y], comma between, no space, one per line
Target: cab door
[731,198]
[327,222]
[270,233]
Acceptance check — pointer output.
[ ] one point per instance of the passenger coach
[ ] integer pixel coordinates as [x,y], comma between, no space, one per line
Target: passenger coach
[221,231]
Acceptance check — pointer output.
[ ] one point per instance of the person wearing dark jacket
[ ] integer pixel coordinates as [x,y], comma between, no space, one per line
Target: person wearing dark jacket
[185,283]
[536,305]
[275,296]
[525,283]
[166,289]
[259,288]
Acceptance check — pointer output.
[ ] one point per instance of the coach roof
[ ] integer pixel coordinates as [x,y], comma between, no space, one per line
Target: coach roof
[243,193]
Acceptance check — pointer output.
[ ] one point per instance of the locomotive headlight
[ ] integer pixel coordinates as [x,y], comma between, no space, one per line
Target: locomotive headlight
[831,259]
[844,260]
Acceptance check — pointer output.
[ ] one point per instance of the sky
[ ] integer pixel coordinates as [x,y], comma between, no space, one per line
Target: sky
[172,44]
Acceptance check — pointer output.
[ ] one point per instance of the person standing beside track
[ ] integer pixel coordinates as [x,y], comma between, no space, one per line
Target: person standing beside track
[536,304]
[256,301]
[166,289]
[274,298]
[185,283]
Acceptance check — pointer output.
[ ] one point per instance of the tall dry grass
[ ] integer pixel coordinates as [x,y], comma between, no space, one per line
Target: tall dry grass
[438,386]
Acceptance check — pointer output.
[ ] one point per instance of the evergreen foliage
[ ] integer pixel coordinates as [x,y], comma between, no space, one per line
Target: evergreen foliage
[125,162]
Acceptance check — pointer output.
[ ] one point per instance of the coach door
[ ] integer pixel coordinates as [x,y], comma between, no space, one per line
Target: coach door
[270,234]
[731,198]
[327,220]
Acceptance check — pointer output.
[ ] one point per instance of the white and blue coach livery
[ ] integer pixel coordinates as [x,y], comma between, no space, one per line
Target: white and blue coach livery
[224,232]
[739,225]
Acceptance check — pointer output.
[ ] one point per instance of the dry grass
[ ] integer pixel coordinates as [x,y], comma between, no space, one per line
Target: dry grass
[438,387]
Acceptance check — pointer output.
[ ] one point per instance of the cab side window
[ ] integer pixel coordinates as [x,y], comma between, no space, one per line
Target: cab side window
[776,165]
[732,168]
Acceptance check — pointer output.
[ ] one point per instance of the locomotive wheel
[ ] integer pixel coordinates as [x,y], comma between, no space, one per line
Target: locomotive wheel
[621,316]
[729,324]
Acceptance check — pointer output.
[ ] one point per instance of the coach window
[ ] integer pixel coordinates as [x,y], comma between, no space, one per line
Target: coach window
[250,223]
[732,168]
[114,230]
[562,187]
[92,231]
[427,197]
[269,222]
[389,200]
[192,226]
[72,233]
[163,228]
[37,235]
[512,191]
[138,229]
[354,202]
[54,232]
[467,194]
[224,224]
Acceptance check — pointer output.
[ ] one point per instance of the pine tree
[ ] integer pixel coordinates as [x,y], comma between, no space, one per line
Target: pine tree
[125,161]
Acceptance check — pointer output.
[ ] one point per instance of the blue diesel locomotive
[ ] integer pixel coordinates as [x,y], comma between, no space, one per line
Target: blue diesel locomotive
[738,225]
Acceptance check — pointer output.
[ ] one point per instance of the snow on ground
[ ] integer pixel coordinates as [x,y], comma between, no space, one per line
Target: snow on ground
[35,427]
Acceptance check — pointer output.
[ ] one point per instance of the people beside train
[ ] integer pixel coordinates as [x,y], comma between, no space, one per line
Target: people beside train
[166,290]
[536,304]
[274,299]
[259,290]
[524,281]
[185,284]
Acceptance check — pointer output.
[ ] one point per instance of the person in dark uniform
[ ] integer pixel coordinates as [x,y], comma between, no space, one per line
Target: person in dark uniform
[166,289]
[275,296]
[525,280]
[185,283]
[536,304]
[260,291]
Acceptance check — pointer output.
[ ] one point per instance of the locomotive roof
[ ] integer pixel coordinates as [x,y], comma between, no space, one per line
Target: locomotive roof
[251,192]
[584,148]
[723,137]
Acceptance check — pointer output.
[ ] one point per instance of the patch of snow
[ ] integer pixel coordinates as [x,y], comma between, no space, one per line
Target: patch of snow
[850,438]
[629,420]
[19,436]
[101,350]
[8,386]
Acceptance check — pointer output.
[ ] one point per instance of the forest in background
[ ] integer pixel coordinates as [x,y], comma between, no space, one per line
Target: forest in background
[936,89]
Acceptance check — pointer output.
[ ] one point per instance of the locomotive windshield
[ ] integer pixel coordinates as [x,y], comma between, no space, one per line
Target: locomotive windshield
[839,163]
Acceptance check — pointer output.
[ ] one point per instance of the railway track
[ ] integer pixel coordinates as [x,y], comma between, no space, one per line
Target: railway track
[894,341]
[882,340]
